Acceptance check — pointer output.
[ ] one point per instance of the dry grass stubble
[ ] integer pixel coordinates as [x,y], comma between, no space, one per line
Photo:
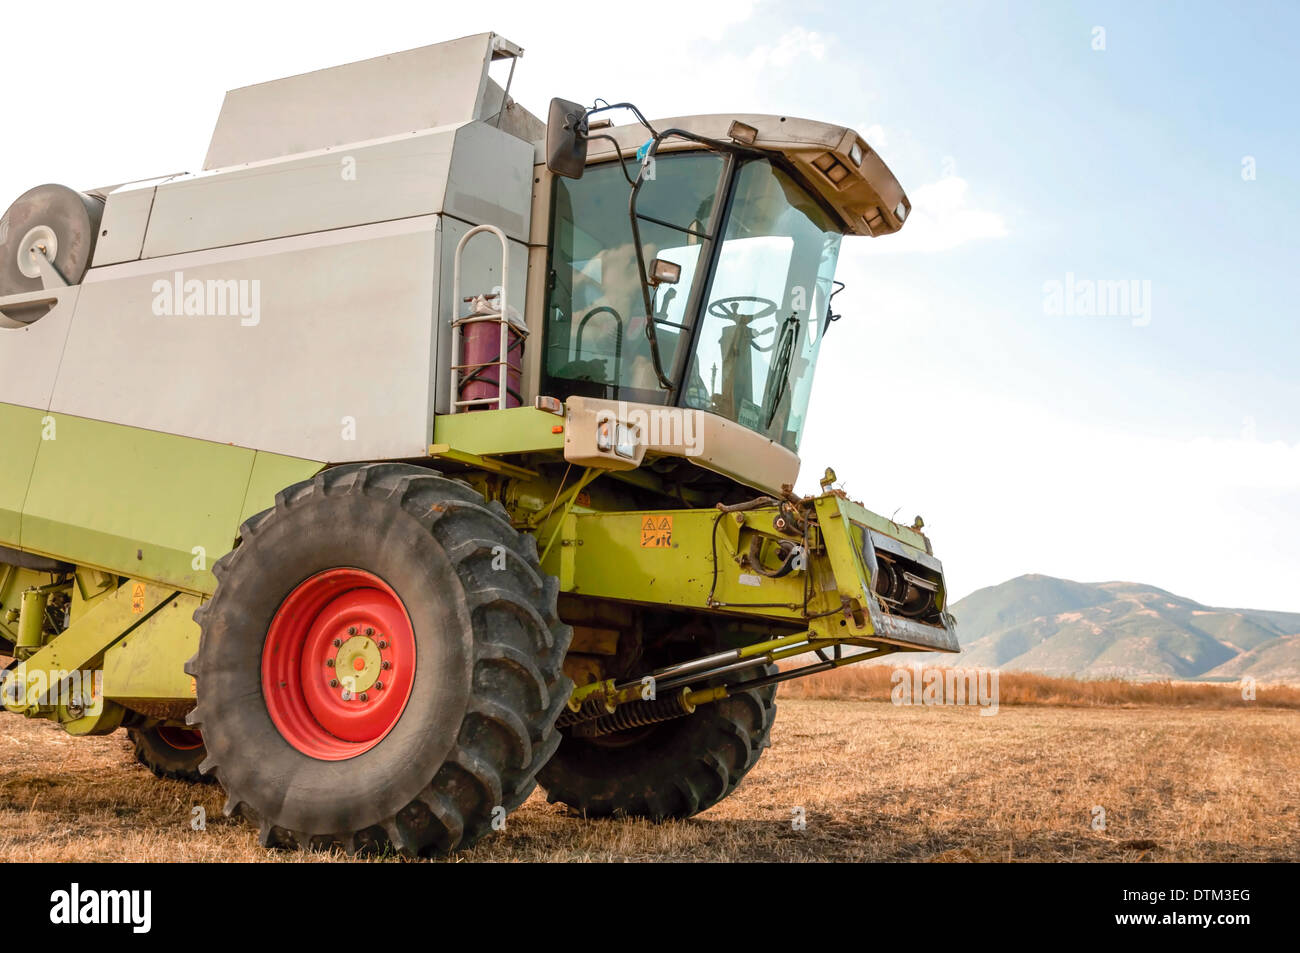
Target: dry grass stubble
[876,782]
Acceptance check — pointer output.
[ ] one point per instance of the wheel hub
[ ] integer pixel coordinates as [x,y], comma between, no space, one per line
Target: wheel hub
[41,240]
[356,666]
[338,664]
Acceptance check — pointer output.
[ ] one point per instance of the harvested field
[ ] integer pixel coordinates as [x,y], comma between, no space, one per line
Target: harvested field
[874,781]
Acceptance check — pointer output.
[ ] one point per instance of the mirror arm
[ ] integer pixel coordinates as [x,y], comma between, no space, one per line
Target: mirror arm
[831,317]
[622,161]
[607,106]
[664,382]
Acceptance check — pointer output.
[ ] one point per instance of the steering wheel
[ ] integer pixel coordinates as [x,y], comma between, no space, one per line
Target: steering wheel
[729,308]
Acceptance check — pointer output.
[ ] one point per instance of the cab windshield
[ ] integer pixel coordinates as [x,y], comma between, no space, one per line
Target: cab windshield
[738,333]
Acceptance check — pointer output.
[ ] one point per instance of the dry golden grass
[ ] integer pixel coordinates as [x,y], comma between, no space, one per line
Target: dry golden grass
[876,782]
[865,682]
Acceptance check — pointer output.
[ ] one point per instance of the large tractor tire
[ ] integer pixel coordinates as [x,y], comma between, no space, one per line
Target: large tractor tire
[380,665]
[673,769]
[168,752]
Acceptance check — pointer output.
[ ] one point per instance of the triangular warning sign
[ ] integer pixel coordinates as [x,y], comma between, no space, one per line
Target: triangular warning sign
[656,532]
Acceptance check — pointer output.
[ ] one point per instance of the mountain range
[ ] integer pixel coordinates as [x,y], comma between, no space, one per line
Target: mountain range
[1120,630]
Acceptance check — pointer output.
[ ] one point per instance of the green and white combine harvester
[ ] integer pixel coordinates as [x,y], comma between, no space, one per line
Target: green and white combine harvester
[417,451]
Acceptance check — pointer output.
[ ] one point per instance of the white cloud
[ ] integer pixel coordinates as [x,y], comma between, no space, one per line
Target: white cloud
[943,217]
[708,21]
[792,46]
[875,135]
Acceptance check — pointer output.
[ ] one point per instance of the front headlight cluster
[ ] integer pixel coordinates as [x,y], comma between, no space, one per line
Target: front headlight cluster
[620,438]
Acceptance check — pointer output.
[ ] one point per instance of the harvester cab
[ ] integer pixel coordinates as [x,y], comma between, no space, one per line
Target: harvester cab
[726,275]
[456,455]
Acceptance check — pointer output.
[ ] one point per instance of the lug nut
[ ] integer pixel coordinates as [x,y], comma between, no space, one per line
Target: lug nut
[369,631]
[379,686]
[338,642]
[365,697]
[383,644]
[352,630]
[329,663]
[386,666]
[334,683]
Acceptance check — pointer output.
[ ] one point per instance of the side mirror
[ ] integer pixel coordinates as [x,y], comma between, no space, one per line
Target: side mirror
[566,139]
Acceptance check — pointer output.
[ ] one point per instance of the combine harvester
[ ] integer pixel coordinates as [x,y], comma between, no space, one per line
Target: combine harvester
[415,452]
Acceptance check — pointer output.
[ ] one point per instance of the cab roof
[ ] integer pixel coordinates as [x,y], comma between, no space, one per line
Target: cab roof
[834,161]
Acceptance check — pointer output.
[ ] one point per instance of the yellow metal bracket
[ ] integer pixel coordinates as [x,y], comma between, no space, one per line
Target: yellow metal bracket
[568,497]
[445,451]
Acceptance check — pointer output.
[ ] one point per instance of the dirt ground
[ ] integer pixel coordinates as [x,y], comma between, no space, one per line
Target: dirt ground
[871,781]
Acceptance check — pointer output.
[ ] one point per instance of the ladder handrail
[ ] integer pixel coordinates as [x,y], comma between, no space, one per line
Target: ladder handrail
[504,303]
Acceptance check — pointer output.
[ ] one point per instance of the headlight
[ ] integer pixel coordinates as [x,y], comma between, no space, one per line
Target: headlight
[616,437]
[627,440]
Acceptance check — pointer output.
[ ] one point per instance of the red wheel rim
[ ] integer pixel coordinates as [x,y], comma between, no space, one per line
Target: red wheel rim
[182,739]
[338,664]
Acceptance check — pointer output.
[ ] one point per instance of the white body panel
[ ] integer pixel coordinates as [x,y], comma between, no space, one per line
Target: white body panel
[126,210]
[338,365]
[424,88]
[350,274]
[313,192]
[29,354]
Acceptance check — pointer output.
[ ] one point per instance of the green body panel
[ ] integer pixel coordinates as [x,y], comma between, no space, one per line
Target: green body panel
[146,668]
[135,502]
[602,555]
[145,504]
[271,474]
[487,432]
[20,436]
[852,578]
[833,503]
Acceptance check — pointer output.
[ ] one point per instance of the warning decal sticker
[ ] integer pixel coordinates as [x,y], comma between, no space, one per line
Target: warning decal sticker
[137,598]
[656,532]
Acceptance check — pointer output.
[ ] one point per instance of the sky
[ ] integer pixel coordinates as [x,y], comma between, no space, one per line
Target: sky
[1045,148]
